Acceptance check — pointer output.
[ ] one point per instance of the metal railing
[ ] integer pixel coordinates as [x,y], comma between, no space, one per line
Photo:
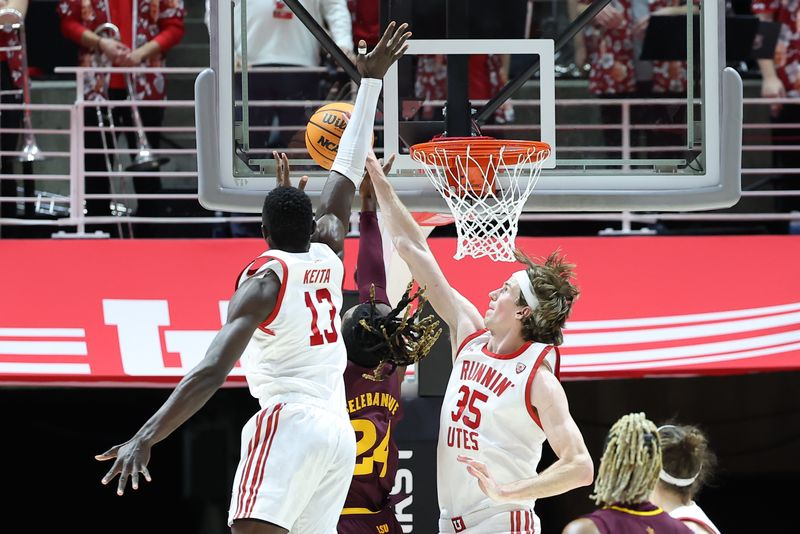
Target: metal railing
[61,182]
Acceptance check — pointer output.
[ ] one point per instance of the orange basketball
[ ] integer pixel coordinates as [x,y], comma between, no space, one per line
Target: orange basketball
[324,130]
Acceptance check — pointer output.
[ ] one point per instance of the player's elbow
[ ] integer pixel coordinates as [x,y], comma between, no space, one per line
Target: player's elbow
[210,376]
[584,469]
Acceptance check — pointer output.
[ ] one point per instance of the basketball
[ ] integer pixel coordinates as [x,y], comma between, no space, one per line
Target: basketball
[324,130]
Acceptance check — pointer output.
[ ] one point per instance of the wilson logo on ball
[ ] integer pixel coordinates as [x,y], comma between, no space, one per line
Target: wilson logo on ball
[333,120]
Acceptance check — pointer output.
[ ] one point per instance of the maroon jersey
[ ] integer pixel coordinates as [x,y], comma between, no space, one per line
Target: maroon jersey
[383,522]
[644,518]
[374,409]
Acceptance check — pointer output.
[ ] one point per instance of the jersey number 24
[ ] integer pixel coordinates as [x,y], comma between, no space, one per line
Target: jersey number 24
[367,435]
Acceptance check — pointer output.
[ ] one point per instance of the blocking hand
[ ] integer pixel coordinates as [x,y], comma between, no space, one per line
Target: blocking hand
[389,49]
[283,171]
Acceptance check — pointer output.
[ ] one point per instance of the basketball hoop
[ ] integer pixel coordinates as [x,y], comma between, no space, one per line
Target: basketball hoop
[485,183]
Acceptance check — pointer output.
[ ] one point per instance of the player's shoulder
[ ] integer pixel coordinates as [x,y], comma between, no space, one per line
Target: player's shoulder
[323,251]
[471,338]
[545,378]
[583,525]
[258,293]
[261,286]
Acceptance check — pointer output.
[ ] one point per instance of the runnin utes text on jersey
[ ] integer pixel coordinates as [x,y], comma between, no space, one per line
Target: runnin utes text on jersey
[487,415]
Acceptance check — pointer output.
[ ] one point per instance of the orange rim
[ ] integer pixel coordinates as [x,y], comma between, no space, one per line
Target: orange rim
[479,147]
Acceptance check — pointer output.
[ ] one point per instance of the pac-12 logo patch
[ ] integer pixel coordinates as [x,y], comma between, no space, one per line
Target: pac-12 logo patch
[520,367]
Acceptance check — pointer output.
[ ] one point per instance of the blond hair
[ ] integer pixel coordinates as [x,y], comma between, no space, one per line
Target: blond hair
[552,285]
[631,462]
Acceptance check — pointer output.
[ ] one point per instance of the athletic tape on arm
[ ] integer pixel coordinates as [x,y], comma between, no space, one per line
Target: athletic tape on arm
[357,138]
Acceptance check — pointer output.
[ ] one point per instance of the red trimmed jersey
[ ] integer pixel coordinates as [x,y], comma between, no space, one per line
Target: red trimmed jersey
[692,513]
[487,415]
[298,349]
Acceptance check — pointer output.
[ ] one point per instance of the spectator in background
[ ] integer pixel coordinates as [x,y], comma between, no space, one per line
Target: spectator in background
[488,73]
[10,79]
[781,78]
[366,20]
[613,43]
[628,473]
[687,464]
[148,29]
[277,38]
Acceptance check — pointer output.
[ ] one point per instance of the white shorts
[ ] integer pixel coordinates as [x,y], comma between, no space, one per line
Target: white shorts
[495,520]
[295,469]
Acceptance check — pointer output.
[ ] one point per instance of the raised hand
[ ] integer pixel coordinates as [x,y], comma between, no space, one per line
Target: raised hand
[131,459]
[366,191]
[283,171]
[389,49]
[385,168]
[375,168]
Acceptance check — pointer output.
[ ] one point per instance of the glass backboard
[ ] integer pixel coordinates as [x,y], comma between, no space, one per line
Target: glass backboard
[650,121]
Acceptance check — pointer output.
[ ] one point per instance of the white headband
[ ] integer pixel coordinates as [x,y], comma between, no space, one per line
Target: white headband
[680,482]
[669,479]
[524,284]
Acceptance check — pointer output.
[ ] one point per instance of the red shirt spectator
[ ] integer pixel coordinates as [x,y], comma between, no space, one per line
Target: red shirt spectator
[487,76]
[612,58]
[787,49]
[12,59]
[366,20]
[157,21]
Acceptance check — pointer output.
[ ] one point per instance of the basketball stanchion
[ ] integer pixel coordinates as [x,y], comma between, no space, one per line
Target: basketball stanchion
[485,183]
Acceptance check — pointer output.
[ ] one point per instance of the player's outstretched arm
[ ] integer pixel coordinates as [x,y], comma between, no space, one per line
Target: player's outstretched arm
[370,265]
[333,215]
[574,466]
[459,313]
[247,309]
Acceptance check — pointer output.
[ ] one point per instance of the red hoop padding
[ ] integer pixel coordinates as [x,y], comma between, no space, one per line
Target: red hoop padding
[450,152]
[425,218]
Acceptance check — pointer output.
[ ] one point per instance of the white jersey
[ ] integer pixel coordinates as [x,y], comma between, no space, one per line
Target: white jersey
[487,415]
[691,513]
[276,36]
[298,350]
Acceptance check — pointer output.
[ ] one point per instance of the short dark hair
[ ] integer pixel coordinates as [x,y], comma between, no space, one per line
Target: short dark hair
[384,341]
[288,217]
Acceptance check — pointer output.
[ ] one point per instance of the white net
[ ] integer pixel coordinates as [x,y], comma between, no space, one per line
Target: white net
[485,185]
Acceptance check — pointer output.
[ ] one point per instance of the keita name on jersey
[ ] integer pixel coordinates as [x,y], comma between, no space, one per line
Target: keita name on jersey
[317,276]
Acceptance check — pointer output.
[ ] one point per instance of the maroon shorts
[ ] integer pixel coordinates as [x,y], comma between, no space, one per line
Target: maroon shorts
[384,522]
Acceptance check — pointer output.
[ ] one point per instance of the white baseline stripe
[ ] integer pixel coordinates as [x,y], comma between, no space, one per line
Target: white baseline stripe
[681,363]
[652,335]
[55,348]
[42,332]
[667,353]
[676,319]
[45,368]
